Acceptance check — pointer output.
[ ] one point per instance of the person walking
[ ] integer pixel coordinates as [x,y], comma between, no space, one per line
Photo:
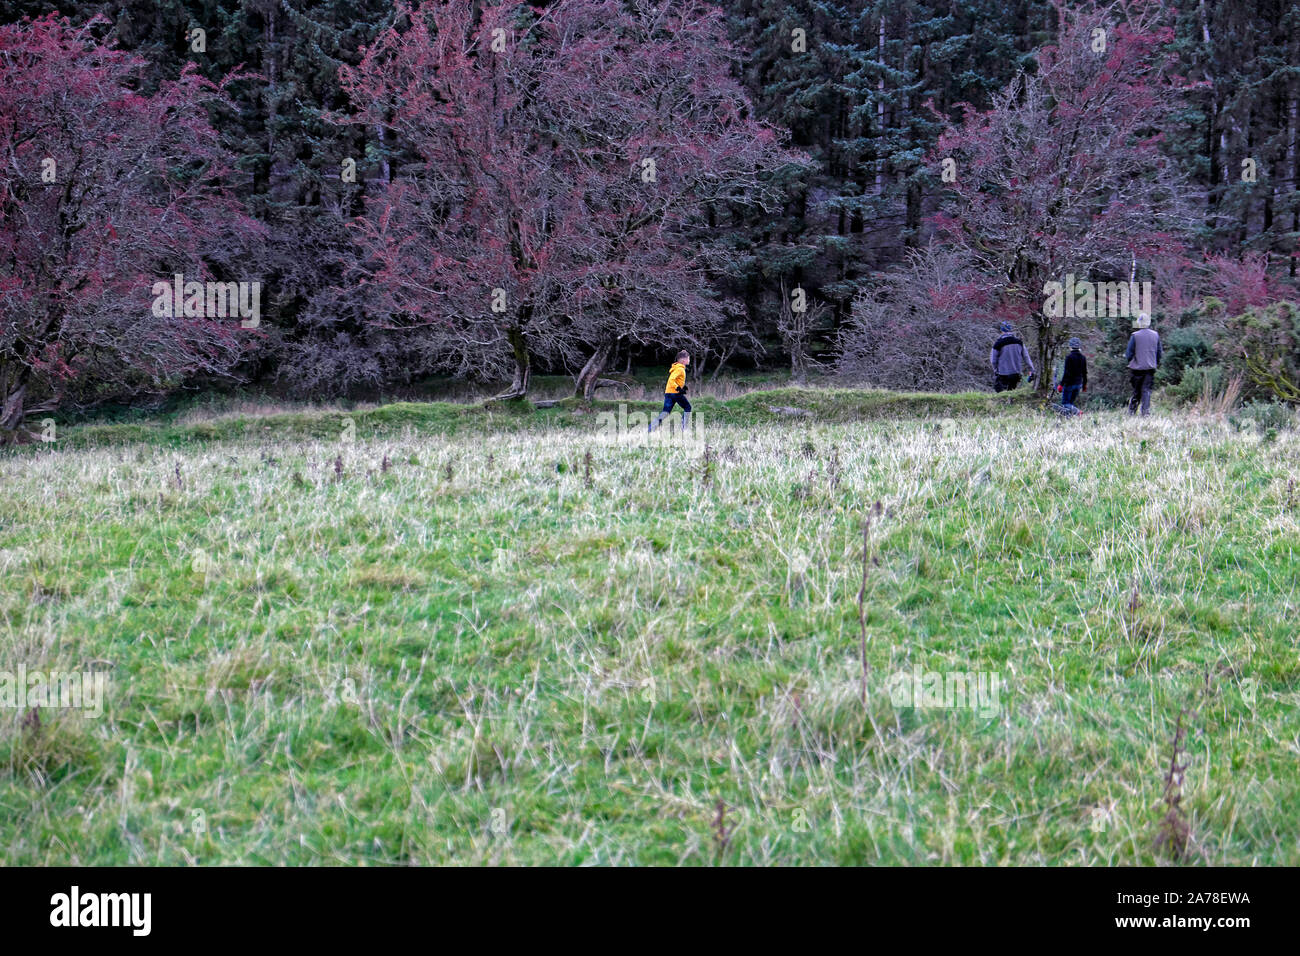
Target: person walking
[675,392]
[1074,377]
[1143,355]
[1009,358]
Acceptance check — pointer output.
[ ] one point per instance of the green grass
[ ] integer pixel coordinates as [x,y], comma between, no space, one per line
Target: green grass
[493,417]
[479,655]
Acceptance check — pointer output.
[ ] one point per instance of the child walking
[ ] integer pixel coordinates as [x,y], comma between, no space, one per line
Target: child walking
[675,392]
[1074,378]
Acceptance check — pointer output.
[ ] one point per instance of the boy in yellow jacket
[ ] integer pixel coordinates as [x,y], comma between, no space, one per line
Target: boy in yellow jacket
[675,392]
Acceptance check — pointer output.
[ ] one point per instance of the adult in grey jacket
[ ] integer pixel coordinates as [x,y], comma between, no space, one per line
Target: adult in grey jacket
[1143,354]
[1009,358]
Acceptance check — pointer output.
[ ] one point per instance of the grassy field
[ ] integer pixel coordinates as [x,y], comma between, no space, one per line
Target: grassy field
[429,634]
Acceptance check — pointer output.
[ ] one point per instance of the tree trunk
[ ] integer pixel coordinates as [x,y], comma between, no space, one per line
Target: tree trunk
[585,383]
[523,366]
[731,347]
[880,112]
[1044,348]
[12,414]
[1292,169]
[385,172]
[794,336]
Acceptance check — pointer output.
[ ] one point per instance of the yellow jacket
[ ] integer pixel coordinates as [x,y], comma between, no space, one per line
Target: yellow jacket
[676,378]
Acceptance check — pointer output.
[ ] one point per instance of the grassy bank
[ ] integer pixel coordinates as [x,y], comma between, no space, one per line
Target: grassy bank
[452,418]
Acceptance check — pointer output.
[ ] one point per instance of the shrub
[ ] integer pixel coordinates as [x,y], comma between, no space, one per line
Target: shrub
[1263,344]
[1195,382]
[1186,348]
[916,330]
[1265,416]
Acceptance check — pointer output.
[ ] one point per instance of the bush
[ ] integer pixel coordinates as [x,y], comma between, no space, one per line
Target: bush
[1186,348]
[1263,344]
[1265,416]
[917,328]
[1192,384]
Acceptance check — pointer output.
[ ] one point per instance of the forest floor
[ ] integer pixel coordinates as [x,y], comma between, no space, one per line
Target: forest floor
[426,634]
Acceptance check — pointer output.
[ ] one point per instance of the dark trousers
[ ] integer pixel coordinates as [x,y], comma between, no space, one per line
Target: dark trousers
[1005,383]
[1070,394]
[671,399]
[1141,379]
[675,398]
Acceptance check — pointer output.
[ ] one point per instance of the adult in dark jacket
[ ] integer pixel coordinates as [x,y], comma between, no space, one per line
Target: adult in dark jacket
[1074,377]
[1143,355]
[1009,358]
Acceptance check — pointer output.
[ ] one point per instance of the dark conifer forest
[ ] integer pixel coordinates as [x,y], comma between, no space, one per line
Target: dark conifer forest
[490,191]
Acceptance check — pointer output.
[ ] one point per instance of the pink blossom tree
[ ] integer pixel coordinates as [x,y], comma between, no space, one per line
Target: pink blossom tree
[1065,173]
[106,190]
[563,160]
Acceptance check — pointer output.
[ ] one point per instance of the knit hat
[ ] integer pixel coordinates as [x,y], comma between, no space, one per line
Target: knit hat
[1075,343]
[1004,327]
[1143,321]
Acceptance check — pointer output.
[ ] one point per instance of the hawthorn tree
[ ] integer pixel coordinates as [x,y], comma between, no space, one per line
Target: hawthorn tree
[1065,173]
[106,190]
[563,164]
[911,329]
